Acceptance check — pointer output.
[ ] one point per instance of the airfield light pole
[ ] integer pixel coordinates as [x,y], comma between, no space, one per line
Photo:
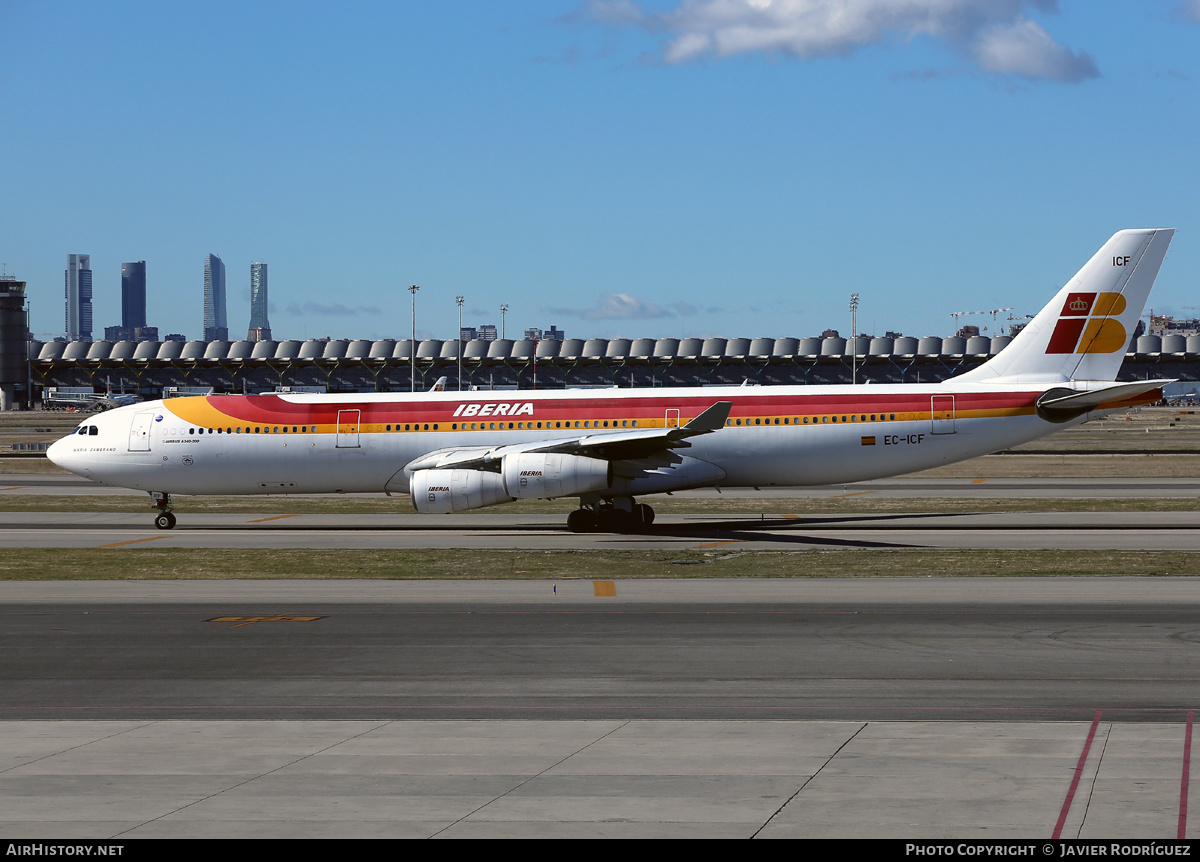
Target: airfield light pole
[503,312]
[413,344]
[854,338]
[460,301]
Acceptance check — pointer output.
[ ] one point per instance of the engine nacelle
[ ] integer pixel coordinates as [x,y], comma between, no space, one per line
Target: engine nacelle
[521,476]
[535,474]
[439,492]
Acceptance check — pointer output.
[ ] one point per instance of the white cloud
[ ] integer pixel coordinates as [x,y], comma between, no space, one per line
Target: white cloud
[1027,50]
[996,35]
[618,306]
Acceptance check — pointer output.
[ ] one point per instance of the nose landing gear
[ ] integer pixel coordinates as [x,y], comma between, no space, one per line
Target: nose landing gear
[165,519]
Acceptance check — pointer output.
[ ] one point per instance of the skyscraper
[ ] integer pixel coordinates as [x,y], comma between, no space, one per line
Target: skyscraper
[133,295]
[14,341]
[260,327]
[216,326]
[79,297]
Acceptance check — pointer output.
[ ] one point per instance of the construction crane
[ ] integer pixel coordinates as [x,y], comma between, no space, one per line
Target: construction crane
[993,312]
[955,315]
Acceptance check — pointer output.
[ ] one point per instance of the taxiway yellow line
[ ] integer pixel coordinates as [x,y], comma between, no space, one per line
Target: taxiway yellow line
[132,542]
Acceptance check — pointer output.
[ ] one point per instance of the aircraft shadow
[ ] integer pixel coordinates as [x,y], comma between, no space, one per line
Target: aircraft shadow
[782,530]
[786,531]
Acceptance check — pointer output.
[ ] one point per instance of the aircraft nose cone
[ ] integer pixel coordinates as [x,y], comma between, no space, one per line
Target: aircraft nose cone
[60,454]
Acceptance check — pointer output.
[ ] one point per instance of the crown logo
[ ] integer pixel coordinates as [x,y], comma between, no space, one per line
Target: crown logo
[1079,305]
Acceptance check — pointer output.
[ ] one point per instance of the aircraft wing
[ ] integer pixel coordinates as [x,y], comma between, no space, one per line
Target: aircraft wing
[624,445]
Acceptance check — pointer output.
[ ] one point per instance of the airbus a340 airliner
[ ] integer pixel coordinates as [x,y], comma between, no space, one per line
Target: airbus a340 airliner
[455,451]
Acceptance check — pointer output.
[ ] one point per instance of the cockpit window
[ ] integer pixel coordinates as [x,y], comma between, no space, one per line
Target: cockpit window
[93,430]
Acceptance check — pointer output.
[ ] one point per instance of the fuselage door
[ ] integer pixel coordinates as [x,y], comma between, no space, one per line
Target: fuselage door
[139,431]
[672,418]
[942,411]
[347,432]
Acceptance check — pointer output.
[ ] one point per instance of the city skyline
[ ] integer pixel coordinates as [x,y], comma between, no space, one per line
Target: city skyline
[133,305]
[625,168]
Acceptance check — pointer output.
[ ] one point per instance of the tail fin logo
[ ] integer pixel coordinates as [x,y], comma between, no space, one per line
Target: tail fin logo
[1101,332]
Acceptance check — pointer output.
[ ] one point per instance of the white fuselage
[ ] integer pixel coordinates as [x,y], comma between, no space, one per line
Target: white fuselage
[306,444]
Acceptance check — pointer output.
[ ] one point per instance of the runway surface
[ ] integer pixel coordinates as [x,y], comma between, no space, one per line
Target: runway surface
[898,708]
[747,528]
[765,531]
[913,708]
[1008,649]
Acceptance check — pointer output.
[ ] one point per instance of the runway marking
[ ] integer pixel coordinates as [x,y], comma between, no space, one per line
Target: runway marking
[272,518]
[133,541]
[978,481]
[1062,817]
[1183,781]
[604,589]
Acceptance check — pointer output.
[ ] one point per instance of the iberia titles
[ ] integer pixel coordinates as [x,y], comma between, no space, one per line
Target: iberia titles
[502,408]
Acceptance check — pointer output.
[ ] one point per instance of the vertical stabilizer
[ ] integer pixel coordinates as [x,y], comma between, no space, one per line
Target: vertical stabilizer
[1084,333]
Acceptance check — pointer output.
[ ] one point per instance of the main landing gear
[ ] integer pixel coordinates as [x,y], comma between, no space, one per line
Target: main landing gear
[621,515]
[165,519]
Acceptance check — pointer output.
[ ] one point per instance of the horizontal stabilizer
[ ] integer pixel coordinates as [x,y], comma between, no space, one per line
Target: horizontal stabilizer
[1062,405]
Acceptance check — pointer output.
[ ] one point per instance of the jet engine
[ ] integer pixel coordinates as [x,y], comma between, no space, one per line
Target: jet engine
[549,475]
[521,476]
[439,492]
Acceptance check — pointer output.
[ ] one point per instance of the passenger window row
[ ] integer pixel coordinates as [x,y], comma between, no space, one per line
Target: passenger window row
[817,420]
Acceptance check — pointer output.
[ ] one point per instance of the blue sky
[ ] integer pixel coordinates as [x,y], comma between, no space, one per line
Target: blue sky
[675,167]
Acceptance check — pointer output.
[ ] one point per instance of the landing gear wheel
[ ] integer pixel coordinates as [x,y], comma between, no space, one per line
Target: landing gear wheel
[643,515]
[164,521]
[581,521]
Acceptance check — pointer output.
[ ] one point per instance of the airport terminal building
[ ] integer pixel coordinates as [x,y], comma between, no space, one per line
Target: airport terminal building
[152,369]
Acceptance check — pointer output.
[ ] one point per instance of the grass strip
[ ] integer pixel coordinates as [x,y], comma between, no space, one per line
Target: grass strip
[143,562]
